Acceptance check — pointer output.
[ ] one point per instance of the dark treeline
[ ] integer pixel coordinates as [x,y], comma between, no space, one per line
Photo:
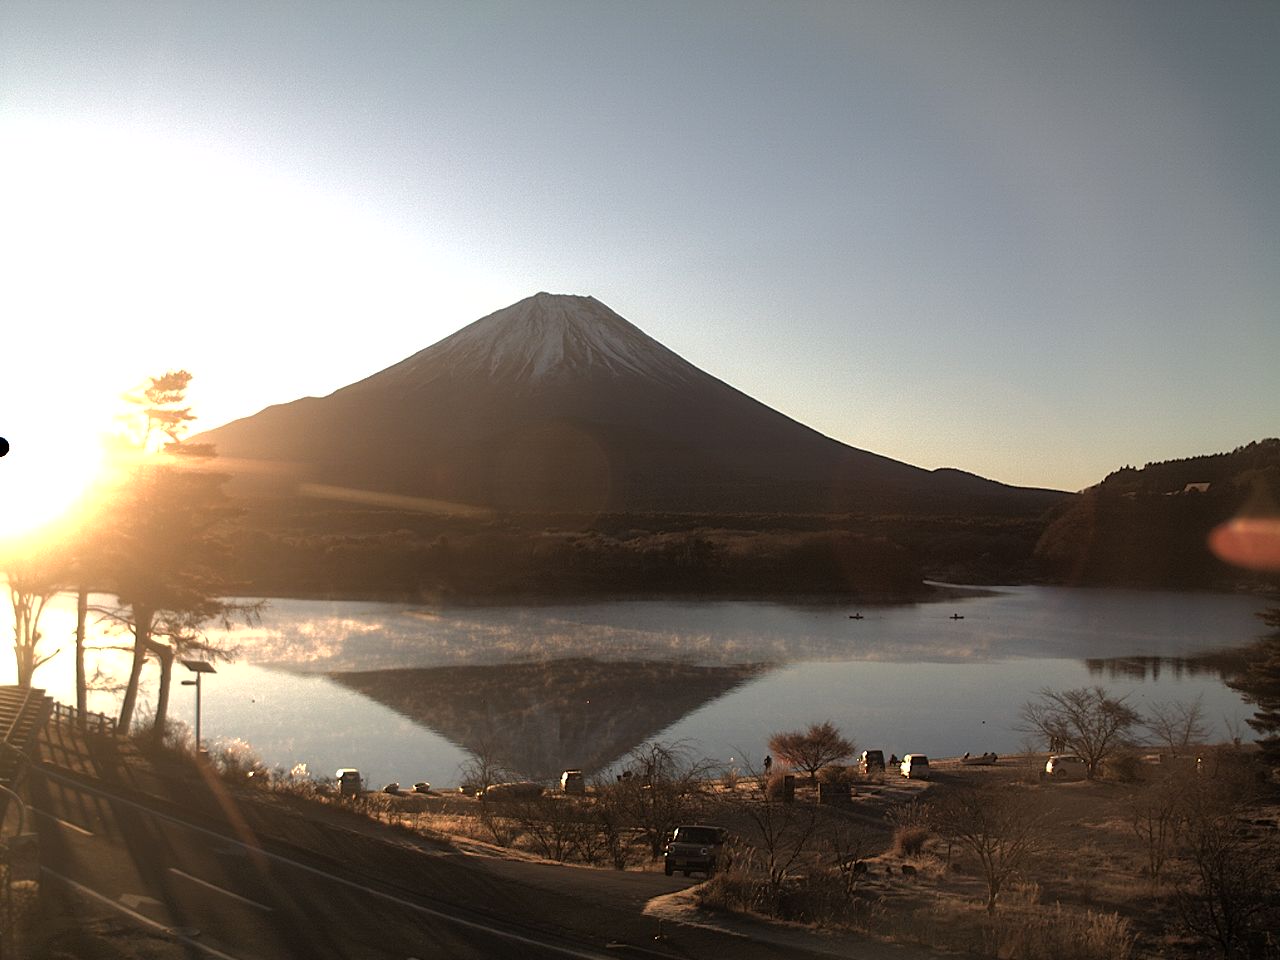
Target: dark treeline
[317,549]
[1150,527]
[1145,528]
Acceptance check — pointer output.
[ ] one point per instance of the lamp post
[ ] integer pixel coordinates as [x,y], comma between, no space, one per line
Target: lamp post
[199,668]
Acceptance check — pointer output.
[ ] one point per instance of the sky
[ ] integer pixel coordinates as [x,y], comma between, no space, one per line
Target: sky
[1035,241]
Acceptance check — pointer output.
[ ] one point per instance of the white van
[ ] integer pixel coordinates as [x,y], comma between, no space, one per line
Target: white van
[915,766]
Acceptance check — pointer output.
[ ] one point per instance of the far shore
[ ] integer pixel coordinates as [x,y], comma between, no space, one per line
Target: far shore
[929,592]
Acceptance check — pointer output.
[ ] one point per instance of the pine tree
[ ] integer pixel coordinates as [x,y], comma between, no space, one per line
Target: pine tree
[1260,685]
[166,553]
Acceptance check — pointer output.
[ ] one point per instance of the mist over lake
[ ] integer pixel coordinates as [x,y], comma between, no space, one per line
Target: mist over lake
[406,692]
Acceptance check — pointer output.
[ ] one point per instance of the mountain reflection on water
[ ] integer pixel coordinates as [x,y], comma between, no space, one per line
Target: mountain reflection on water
[537,719]
[903,678]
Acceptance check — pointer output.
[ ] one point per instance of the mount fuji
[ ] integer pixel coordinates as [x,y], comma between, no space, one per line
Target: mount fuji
[556,404]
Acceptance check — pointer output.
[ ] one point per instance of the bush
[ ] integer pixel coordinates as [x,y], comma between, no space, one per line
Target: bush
[908,841]
[177,737]
[731,891]
[236,760]
[837,775]
[1126,768]
[773,789]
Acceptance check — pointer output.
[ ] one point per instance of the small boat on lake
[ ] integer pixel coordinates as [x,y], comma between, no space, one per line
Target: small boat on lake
[855,616]
[957,616]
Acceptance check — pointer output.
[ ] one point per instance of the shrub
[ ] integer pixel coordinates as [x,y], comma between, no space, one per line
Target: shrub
[908,841]
[236,760]
[837,774]
[177,737]
[1126,768]
[773,789]
[731,891]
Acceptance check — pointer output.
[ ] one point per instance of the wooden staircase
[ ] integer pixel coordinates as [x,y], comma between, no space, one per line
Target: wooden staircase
[23,713]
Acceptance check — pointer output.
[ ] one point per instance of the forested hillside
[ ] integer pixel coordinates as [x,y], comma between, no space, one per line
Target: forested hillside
[1150,527]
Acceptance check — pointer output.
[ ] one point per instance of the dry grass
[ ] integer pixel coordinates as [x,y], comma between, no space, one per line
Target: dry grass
[1022,929]
[1081,897]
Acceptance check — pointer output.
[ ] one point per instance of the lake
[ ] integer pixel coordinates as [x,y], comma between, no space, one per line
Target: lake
[408,692]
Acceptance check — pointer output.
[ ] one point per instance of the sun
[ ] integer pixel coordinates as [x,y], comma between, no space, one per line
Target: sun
[46,477]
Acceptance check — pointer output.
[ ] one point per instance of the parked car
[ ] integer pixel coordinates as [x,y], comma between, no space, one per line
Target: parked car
[871,761]
[915,766]
[693,847]
[349,784]
[571,781]
[518,790]
[1065,766]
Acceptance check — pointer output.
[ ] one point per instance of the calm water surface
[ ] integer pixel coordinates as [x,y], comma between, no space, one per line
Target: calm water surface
[407,692]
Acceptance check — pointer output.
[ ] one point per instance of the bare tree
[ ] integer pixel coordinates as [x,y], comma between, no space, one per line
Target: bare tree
[33,581]
[484,769]
[555,826]
[1232,897]
[614,829]
[850,842]
[1155,816]
[1086,721]
[782,832]
[1003,828]
[811,750]
[663,789]
[1178,725]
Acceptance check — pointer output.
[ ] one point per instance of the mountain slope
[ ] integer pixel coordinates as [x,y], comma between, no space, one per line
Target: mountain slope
[556,403]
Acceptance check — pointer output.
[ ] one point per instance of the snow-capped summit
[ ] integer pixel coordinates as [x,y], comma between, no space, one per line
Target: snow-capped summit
[543,337]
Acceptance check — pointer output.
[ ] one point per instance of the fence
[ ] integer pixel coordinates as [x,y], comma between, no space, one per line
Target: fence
[92,722]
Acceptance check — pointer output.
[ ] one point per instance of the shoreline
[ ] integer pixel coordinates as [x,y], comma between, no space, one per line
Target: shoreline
[931,592]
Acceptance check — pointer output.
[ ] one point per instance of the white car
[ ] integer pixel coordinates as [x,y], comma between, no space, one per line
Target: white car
[915,766]
[1064,766]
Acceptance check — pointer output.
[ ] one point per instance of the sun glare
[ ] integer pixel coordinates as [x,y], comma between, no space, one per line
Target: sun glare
[125,253]
[43,480]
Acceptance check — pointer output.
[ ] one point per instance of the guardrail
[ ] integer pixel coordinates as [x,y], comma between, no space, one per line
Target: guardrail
[92,722]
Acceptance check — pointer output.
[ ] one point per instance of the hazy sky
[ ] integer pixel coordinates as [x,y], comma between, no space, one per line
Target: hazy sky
[1034,241]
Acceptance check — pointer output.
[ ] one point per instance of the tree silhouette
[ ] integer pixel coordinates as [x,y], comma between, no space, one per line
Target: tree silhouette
[165,549]
[34,576]
[1260,685]
[811,750]
[1086,722]
[1003,828]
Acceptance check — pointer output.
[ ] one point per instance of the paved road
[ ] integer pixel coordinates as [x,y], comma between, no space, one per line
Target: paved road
[235,895]
[238,899]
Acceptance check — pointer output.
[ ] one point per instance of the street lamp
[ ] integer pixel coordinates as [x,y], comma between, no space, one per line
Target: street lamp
[198,667]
